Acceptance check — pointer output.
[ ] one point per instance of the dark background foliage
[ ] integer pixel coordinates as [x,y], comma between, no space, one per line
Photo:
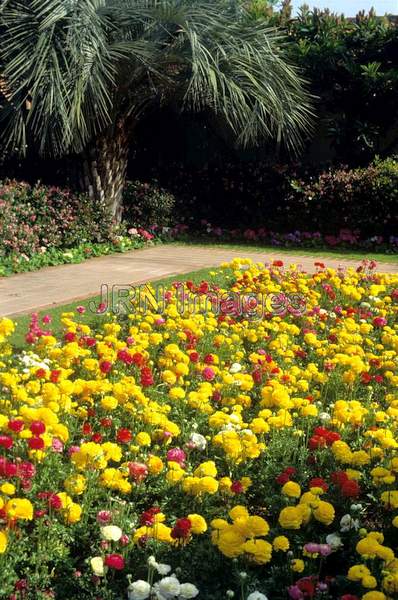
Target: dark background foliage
[352,66]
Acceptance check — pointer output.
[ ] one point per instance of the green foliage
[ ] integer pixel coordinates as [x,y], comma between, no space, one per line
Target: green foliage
[362,200]
[34,219]
[352,66]
[147,204]
[73,69]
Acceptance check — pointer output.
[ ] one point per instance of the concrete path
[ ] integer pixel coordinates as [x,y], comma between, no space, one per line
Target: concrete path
[51,286]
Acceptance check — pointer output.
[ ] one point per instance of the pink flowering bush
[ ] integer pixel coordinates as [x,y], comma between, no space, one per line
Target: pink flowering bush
[34,219]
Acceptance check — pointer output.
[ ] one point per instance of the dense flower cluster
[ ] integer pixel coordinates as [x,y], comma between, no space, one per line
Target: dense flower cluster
[259,448]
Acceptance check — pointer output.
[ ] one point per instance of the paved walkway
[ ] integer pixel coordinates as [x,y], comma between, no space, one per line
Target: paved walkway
[51,286]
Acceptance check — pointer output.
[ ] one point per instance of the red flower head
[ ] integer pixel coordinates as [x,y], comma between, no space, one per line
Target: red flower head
[208,374]
[36,443]
[123,436]
[114,561]
[194,357]
[237,487]
[105,366]
[181,529]
[146,377]
[86,428]
[54,375]
[148,517]
[138,471]
[69,336]
[37,427]
[16,425]
[319,482]
[350,489]
[339,477]
[54,501]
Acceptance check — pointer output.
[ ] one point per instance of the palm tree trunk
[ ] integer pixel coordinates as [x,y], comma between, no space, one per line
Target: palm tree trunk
[105,168]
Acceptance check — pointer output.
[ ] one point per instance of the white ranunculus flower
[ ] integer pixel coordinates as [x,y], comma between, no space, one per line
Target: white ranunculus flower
[235,368]
[257,596]
[334,541]
[162,568]
[112,533]
[188,590]
[325,417]
[198,440]
[168,587]
[347,523]
[97,565]
[139,590]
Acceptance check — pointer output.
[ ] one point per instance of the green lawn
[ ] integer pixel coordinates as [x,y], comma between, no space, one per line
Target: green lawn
[89,316]
[22,322]
[336,254]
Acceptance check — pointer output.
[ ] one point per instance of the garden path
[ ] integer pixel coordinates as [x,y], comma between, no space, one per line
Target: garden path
[52,286]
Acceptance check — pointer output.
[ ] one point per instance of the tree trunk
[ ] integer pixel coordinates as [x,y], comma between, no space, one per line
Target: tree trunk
[105,168]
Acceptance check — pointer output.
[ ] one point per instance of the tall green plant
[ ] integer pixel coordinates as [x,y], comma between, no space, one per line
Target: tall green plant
[88,70]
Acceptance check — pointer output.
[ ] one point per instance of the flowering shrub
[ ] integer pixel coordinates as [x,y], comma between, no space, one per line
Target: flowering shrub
[363,199]
[235,450]
[339,206]
[34,219]
[146,204]
[343,239]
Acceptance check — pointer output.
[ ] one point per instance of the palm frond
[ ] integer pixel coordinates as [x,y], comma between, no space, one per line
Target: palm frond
[84,64]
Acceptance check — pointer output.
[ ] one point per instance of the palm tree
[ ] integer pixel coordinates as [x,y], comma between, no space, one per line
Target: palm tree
[81,73]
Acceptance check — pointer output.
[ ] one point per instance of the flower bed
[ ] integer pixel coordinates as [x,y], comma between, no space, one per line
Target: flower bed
[247,448]
[344,239]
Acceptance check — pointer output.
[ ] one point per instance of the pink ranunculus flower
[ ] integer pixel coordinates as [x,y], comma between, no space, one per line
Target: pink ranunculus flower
[138,471]
[208,374]
[104,516]
[177,455]
[57,445]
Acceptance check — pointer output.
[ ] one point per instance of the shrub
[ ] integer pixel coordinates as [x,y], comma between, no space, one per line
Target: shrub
[147,204]
[363,200]
[36,218]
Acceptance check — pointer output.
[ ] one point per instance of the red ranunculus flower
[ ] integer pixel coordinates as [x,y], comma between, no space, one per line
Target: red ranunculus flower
[37,427]
[6,441]
[236,487]
[319,482]
[350,489]
[181,529]
[16,425]
[138,471]
[123,436]
[114,561]
[105,366]
[36,443]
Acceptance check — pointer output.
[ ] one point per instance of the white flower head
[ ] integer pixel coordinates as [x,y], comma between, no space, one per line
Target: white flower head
[325,417]
[235,368]
[257,596]
[112,533]
[334,541]
[168,587]
[347,523]
[161,568]
[139,590]
[188,590]
[198,440]
[97,565]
